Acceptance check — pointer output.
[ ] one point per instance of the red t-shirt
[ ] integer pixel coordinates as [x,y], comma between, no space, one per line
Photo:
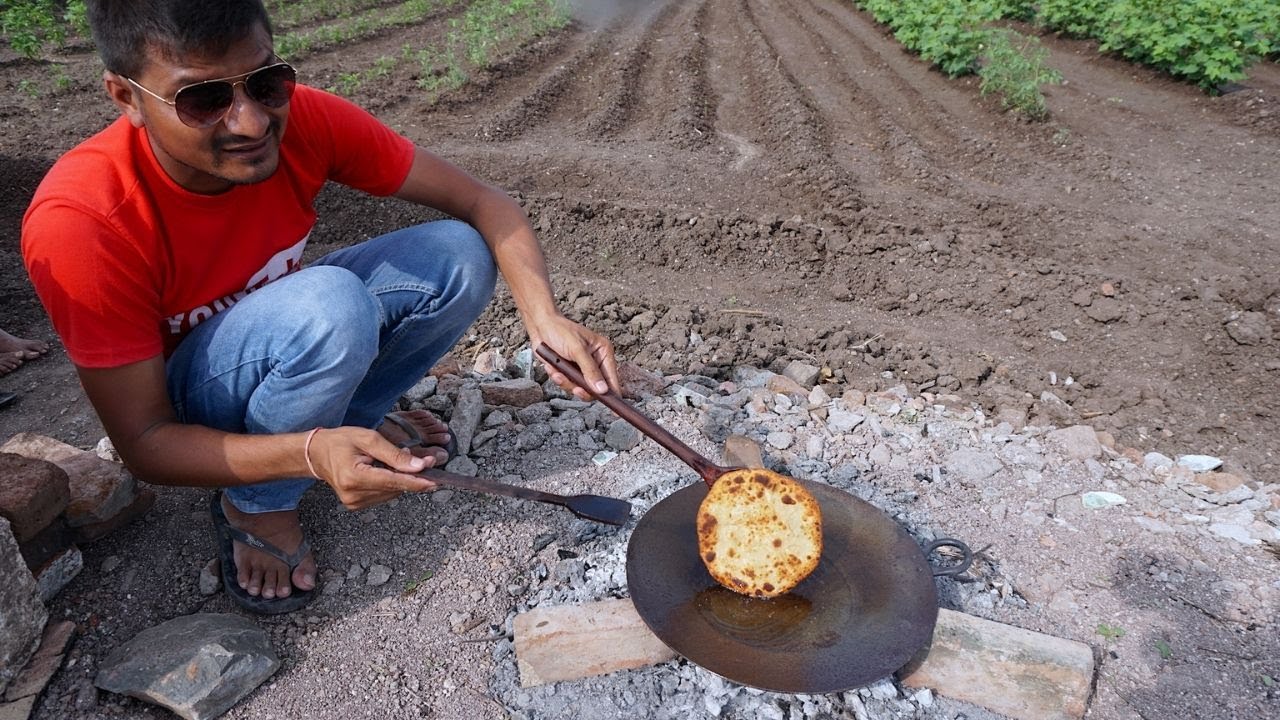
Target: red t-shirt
[126,261]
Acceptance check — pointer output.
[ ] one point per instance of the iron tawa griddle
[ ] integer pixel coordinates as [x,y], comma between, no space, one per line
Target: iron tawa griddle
[863,613]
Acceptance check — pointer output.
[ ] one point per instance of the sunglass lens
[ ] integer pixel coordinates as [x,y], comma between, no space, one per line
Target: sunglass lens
[272,86]
[202,105]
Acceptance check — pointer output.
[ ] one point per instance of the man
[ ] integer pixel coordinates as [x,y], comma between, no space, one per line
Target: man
[167,251]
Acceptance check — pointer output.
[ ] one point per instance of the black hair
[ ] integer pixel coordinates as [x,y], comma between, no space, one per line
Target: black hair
[125,31]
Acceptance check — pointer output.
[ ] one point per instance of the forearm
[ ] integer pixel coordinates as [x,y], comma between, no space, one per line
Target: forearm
[172,453]
[506,229]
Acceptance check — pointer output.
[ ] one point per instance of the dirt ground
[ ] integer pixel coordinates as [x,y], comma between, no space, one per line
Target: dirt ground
[729,182]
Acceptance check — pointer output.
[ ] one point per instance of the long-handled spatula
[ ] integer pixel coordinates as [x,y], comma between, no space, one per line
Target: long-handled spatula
[610,511]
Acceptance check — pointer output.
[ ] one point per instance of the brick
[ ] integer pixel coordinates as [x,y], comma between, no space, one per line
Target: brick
[521,392]
[576,641]
[1023,674]
[32,493]
[99,489]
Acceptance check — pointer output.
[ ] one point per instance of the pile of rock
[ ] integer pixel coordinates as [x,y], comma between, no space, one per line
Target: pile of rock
[53,497]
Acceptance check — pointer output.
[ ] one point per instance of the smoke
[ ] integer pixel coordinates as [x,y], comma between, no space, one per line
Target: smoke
[597,14]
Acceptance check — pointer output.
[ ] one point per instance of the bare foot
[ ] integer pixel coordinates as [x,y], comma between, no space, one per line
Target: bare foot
[433,431]
[259,573]
[9,362]
[25,349]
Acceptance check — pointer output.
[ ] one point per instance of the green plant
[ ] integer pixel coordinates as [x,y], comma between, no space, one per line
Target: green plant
[1110,632]
[1163,648]
[411,586]
[29,25]
[348,83]
[1012,65]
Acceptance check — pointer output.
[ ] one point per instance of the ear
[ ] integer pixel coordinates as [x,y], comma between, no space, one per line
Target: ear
[125,96]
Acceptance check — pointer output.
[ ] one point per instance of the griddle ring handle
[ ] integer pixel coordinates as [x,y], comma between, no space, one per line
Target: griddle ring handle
[966,559]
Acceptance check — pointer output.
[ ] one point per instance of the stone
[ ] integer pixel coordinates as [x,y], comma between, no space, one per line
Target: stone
[378,575]
[844,421]
[106,450]
[58,572]
[803,374]
[1249,328]
[423,389]
[783,385]
[569,642]
[638,382]
[1101,499]
[1219,481]
[1078,442]
[22,614]
[99,489]
[622,436]
[490,362]
[211,577]
[972,465]
[1105,310]
[32,493]
[198,666]
[140,506]
[742,451]
[18,709]
[1154,460]
[1023,674]
[520,392]
[52,540]
[780,440]
[1199,463]
[42,666]
[466,418]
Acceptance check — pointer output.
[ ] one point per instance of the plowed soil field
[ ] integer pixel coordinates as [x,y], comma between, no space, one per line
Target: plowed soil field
[738,181]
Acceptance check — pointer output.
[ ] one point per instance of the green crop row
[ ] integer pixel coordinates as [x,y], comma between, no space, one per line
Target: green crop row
[958,37]
[947,33]
[29,26]
[1208,42]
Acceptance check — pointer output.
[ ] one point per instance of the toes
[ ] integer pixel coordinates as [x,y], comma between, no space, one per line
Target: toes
[255,582]
[304,576]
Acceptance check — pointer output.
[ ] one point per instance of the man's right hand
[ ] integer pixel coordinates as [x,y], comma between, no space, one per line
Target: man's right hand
[364,468]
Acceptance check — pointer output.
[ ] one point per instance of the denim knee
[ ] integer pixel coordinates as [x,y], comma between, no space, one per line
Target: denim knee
[337,318]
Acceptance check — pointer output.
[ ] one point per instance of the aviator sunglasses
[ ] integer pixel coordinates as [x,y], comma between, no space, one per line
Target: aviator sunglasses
[203,104]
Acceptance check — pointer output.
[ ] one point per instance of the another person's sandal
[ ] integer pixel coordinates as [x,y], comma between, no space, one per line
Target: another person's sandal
[226,535]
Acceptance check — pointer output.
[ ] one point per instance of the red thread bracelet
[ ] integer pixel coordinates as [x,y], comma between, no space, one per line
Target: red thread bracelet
[306,453]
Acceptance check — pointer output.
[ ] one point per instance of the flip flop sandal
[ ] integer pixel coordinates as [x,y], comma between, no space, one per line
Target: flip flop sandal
[7,398]
[415,438]
[225,535]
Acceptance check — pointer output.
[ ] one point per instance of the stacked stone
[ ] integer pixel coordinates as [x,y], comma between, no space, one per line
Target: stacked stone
[52,497]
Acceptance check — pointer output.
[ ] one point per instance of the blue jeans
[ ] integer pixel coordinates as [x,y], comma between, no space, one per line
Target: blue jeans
[336,343]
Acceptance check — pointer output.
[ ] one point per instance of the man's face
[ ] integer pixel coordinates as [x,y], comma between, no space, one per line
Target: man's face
[242,148]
